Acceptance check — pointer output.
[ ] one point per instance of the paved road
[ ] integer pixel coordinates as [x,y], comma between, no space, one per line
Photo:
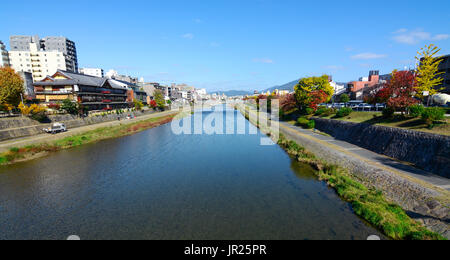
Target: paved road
[42,138]
[388,162]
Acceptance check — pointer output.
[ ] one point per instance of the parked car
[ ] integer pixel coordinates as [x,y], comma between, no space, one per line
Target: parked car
[338,105]
[380,107]
[56,128]
[366,107]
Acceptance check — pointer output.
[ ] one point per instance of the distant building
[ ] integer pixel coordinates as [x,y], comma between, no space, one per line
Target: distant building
[92,92]
[134,92]
[29,54]
[356,88]
[49,44]
[4,58]
[92,72]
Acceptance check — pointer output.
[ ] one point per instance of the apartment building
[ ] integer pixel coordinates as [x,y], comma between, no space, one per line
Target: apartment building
[59,44]
[95,72]
[37,62]
[4,58]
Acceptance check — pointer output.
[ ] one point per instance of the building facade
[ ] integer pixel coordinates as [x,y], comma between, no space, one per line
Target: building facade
[42,57]
[28,87]
[356,88]
[38,63]
[134,92]
[92,93]
[95,72]
[57,44]
[444,68]
[4,58]
[64,45]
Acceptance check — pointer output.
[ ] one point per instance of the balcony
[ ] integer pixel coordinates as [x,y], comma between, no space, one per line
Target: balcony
[48,92]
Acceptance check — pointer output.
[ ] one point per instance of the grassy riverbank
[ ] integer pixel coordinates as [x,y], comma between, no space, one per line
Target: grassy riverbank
[367,203]
[33,151]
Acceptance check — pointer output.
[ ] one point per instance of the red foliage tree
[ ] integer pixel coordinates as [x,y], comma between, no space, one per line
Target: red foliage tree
[153,104]
[401,89]
[288,102]
[317,97]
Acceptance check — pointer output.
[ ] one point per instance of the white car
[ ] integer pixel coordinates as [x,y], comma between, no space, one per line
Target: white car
[55,128]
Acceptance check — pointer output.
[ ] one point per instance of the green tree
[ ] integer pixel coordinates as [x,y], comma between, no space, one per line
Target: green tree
[69,106]
[159,98]
[306,87]
[344,98]
[427,71]
[138,105]
[11,87]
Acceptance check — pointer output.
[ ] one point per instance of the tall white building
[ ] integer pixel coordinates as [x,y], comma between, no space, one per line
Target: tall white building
[92,72]
[4,57]
[38,62]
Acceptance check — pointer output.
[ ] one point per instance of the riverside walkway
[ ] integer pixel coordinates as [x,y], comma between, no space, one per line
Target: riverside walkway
[42,138]
[377,159]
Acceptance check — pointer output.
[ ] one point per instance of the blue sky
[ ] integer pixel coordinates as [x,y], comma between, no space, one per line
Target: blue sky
[245,44]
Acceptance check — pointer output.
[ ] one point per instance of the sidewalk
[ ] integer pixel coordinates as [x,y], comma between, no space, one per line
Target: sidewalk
[42,138]
[387,162]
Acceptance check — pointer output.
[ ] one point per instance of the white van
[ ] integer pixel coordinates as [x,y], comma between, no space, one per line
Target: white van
[55,128]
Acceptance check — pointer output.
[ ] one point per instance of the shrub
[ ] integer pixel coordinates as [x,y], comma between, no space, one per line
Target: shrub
[343,112]
[309,111]
[320,111]
[328,112]
[306,123]
[416,110]
[388,112]
[432,114]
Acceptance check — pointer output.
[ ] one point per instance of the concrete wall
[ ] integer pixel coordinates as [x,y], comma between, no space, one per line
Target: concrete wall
[11,128]
[427,151]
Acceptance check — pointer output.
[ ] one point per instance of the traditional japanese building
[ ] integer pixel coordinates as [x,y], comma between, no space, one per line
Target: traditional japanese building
[93,93]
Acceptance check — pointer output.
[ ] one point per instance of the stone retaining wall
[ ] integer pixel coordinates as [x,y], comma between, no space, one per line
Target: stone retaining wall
[430,152]
[11,128]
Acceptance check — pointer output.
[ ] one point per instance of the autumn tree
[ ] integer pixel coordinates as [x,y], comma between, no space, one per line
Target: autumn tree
[309,89]
[401,88]
[159,99]
[427,71]
[11,87]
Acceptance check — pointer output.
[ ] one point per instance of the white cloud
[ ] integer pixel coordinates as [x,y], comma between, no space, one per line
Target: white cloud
[368,56]
[414,37]
[198,20]
[441,37]
[263,60]
[188,36]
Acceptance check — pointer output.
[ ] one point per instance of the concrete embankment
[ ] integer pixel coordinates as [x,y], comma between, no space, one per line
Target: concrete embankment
[44,138]
[423,201]
[11,128]
[429,152]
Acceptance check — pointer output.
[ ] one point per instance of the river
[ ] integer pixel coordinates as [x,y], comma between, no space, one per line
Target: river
[158,185]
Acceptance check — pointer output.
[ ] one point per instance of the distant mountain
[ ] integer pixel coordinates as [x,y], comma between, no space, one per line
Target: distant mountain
[288,86]
[233,93]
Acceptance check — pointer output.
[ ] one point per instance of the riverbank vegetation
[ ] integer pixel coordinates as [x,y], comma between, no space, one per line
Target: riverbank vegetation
[33,151]
[369,204]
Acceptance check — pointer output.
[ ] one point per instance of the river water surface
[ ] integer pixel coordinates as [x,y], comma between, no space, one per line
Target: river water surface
[158,185]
